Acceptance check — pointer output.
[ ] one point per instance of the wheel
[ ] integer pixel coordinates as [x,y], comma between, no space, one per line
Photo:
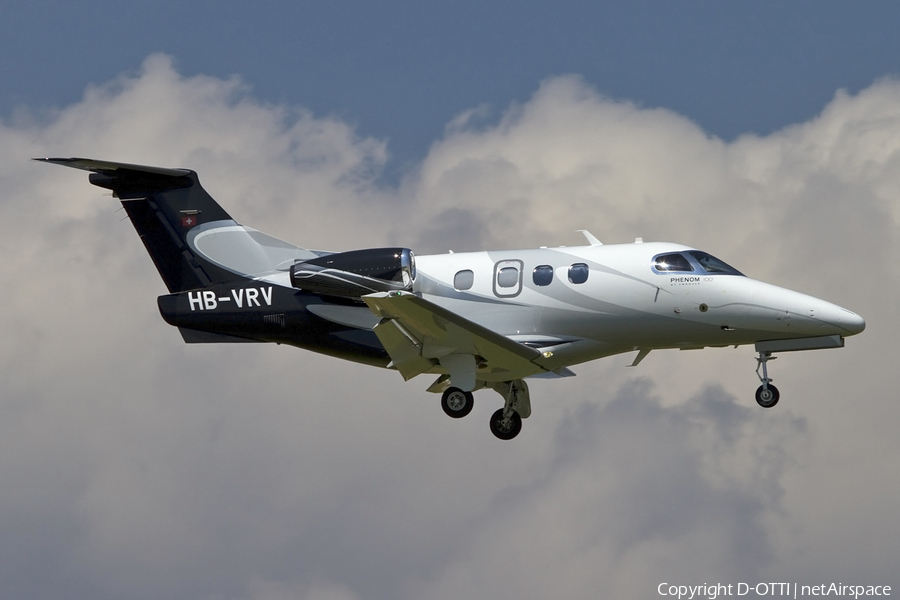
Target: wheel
[506,429]
[767,398]
[456,402]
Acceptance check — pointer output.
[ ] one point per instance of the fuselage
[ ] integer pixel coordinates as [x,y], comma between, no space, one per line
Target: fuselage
[574,304]
[587,302]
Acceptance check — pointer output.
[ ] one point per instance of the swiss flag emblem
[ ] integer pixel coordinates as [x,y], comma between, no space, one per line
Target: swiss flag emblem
[188,220]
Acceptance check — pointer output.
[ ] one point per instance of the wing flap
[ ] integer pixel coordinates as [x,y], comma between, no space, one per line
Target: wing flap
[432,332]
[405,351]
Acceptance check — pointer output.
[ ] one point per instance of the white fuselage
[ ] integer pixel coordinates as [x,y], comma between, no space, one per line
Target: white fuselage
[623,304]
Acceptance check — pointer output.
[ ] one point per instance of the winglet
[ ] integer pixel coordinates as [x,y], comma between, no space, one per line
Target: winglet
[590,238]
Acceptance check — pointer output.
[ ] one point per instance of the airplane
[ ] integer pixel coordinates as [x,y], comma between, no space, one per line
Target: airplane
[476,320]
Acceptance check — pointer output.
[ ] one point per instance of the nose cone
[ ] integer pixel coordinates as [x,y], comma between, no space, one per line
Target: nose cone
[844,319]
[784,312]
[836,318]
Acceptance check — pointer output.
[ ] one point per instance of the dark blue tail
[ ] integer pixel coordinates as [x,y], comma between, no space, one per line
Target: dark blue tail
[163,205]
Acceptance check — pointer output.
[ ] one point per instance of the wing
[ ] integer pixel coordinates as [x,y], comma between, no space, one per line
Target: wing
[419,335]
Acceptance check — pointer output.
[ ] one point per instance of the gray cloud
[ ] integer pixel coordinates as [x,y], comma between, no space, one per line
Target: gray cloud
[136,466]
[636,487]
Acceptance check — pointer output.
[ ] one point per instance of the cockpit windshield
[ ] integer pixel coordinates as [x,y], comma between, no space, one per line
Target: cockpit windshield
[713,265]
[692,261]
[668,263]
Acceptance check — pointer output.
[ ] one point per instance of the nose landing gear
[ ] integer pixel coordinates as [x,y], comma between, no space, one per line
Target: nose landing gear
[767,395]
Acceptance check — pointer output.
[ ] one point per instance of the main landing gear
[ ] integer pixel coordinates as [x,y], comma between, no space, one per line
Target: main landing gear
[456,403]
[506,423]
[767,395]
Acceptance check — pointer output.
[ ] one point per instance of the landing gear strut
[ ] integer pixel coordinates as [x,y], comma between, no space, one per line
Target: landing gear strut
[506,423]
[767,395]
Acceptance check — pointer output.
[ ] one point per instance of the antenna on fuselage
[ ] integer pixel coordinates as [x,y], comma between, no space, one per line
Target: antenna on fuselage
[590,238]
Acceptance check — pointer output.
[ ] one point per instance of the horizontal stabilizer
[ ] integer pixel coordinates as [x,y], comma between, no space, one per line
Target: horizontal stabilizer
[163,205]
[105,166]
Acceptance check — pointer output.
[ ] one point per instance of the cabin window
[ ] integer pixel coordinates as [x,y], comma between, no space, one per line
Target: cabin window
[508,277]
[578,273]
[464,280]
[667,263]
[542,275]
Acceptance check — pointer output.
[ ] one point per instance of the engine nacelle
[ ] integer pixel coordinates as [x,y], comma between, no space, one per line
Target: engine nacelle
[356,273]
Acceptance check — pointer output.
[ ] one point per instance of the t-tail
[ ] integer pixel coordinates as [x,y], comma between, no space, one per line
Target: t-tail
[193,241]
[223,277]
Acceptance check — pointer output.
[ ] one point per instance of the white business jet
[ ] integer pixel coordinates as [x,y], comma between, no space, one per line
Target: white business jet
[472,319]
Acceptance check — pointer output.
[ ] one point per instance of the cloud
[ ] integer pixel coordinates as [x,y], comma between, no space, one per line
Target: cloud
[629,484]
[136,466]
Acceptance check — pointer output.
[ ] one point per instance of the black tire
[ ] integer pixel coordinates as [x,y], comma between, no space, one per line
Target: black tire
[457,403]
[767,398]
[506,430]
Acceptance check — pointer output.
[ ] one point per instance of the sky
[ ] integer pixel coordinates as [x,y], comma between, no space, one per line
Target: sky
[135,466]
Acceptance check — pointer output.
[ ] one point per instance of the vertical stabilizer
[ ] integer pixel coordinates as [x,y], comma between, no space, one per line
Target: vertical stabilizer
[163,205]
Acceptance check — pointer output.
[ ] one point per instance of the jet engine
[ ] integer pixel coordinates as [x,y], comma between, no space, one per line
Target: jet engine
[356,273]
